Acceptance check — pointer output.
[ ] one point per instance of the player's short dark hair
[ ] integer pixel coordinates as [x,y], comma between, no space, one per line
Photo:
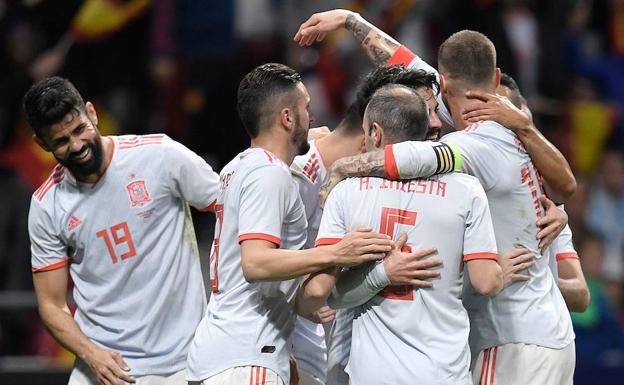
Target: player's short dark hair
[403,115]
[49,101]
[515,96]
[378,78]
[468,56]
[261,94]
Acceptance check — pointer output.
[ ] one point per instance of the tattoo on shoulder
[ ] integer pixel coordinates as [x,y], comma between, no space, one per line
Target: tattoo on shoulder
[359,29]
[368,164]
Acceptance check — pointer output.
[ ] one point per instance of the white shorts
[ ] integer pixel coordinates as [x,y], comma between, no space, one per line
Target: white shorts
[521,364]
[242,375]
[82,375]
[306,378]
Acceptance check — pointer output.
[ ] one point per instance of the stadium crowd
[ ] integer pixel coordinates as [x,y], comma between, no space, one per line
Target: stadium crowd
[174,67]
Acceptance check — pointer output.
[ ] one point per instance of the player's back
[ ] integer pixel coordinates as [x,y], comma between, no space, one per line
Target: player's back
[531,312]
[249,323]
[405,335]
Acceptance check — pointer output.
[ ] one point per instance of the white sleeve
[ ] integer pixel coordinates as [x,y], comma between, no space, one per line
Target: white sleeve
[266,196]
[403,56]
[475,157]
[189,176]
[408,160]
[358,285]
[479,238]
[48,251]
[308,193]
[333,225]
[562,247]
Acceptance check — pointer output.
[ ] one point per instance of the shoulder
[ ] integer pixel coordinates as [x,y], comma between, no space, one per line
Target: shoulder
[469,185]
[129,142]
[256,163]
[43,193]
[307,166]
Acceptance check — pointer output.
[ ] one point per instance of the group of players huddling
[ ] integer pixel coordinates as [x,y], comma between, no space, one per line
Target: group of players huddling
[375,254]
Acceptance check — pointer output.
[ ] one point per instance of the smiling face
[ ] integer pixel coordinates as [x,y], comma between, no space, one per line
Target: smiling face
[76,143]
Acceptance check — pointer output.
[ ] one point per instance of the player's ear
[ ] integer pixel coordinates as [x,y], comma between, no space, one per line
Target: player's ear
[497,77]
[442,84]
[91,114]
[287,119]
[41,143]
[377,134]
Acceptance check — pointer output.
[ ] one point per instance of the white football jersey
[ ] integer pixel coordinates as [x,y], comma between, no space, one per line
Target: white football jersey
[309,347]
[531,312]
[249,323]
[406,335]
[131,248]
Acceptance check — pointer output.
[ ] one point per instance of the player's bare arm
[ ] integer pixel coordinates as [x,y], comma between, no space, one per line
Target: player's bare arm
[486,276]
[51,290]
[369,164]
[552,165]
[262,260]
[572,284]
[513,262]
[378,45]
[312,295]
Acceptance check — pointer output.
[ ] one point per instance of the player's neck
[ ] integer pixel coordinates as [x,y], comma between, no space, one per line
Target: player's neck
[283,150]
[335,146]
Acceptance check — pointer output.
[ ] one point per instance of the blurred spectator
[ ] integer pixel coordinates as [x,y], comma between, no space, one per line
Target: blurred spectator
[599,337]
[605,212]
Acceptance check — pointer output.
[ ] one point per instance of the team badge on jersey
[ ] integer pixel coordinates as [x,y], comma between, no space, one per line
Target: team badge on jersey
[138,194]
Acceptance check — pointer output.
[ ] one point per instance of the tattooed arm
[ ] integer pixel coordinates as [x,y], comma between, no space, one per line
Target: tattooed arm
[378,45]
[369,164]
[418,159]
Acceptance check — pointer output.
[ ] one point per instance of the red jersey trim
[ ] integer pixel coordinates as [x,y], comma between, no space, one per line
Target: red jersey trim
[402,56]
[473,256]
[326,241]
[55,178]
[261,236]
[390,165]
[210,207]
[562,256]
[53,266]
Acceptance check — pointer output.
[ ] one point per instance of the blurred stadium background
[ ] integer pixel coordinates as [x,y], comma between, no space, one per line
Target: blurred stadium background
[173,66]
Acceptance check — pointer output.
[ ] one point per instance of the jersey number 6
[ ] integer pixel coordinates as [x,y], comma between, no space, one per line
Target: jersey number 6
[389,218]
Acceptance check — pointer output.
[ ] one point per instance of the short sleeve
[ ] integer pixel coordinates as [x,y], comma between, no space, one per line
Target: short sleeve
[479,238]
[333,227]
[48,251]
[266,195]
[562,247]
[408,160]
[189,176]
[474,157]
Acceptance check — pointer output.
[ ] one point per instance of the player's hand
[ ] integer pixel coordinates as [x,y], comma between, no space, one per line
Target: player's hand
[360,246]
[324,315]
[409,268]
[513,262]
[550,224]
[318,132]
[488,106]
[319,25]
[294,372]
[108,366]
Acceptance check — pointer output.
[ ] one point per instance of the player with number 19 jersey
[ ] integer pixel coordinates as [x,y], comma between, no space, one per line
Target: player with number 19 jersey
[250,323]
[406,335]
[131,248]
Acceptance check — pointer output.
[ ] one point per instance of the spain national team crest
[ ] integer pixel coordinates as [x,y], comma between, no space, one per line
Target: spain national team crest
[138,194]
